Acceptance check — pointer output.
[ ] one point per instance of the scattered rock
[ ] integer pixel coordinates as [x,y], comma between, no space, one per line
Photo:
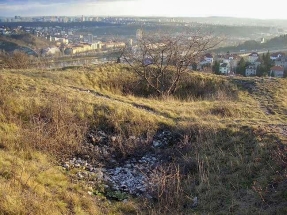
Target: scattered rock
[66,166]
[195,202]
[133,175]
[132,137]
[164,138]
[90,193]
[80,175]
[99,174]
[157,143]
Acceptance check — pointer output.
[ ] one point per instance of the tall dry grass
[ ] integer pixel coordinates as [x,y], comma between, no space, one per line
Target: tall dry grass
[223,158]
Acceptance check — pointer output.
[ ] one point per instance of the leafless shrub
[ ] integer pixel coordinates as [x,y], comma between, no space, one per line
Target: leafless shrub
[161,59]
[16,60]
[169,192]
[52,129]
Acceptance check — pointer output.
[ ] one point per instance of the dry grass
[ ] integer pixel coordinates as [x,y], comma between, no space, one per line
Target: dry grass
[233,161]
[31,184]
[228,158]
[26,40]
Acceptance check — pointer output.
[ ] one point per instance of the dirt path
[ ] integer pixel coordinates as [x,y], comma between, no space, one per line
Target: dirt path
[261,90]
[133,104]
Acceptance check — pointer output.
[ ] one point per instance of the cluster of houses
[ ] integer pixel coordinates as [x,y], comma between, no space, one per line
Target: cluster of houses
[229,62]
[277,70]
[280,65]
[86,47]
[83,47]
[64,39]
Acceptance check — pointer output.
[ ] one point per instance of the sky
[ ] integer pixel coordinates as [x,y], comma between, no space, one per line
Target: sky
[169,8]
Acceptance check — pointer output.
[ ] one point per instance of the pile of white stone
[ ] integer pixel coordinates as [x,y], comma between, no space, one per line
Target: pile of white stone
[134,176]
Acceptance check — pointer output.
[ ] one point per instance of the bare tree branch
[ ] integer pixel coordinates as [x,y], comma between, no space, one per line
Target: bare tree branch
[161,59]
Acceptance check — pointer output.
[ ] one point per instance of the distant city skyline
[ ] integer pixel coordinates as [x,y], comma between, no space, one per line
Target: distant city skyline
[162,8]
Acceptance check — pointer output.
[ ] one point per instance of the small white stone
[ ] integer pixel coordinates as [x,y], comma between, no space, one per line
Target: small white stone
[195,202]
[156,143]
[90,193]
[66,166]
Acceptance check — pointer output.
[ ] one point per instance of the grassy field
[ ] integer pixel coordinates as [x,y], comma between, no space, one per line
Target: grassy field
[231,155]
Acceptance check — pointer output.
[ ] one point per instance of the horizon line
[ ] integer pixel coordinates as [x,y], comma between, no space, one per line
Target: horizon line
[147,16]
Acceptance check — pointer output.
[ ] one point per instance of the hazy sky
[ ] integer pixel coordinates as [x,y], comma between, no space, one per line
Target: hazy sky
[242,8]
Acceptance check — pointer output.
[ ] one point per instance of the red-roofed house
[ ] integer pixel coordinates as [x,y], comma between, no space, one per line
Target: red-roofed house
[250,70]
[258,62]
[224,68]
[282,61]
[276,55]
[277,71]
[205,60]
[253,57]
[208,58]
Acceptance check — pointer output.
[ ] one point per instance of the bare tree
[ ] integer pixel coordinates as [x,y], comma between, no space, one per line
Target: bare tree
[161,59]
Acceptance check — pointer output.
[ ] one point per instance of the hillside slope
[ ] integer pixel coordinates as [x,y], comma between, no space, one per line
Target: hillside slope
[72,141]
[250,45]
[25,42]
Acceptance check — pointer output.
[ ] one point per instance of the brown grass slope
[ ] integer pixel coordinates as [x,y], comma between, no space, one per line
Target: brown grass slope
[25,40]
[232,154]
